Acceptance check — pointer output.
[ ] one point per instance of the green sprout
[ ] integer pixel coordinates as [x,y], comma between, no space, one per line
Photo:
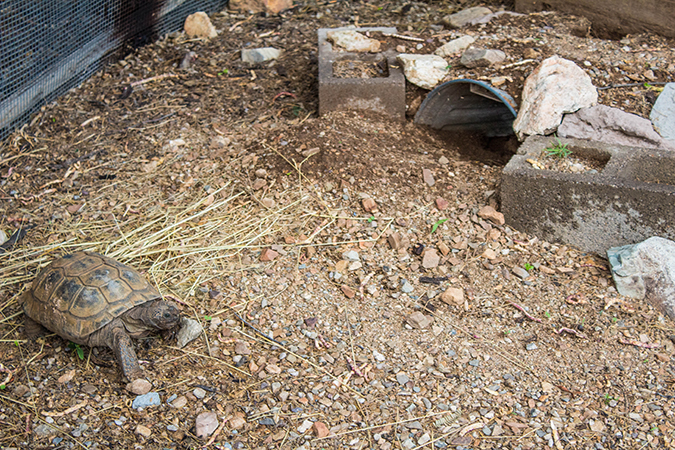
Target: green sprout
[558,149]
[437,224]
[528,266]
[208,318]
[607,398]
[547,314]
[77,348]
[2,387]
[223,72]
[371,218]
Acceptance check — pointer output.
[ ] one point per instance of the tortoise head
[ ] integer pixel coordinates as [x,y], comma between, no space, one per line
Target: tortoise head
[162,314]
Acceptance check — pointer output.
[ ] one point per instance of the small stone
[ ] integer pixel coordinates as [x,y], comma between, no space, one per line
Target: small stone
[45,430]
[306,425]
[596,426]
[379,357]
[241,348]
[442,204]
[146,400]
[453,296]
[398,240]
[273,369]
[139,386]
[369,205]
[663,113]
[143,430]
[443,160]
[205,424]
[351,255]
[455,46]
[520,272]
[348,291]
[443,247]
[259,55]
[402,378]
[419,321]
[190,329]
[636,417]
[466,16]
[428,177]
[353,41]
[199,25]
[179,402]
[489,213]
[407,287]
[489,254]
[259,183]
[268,255]
[236,422]
[320,430]
[480,57]
[354,265]
[261,173]
[430,259]
[66,377]
[531,346]
[199,393]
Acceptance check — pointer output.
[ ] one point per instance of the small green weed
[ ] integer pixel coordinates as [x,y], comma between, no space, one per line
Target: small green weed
[607,398]
[437,224]
[528,266]
[547,314]
[371,218]
[224,72]
[77,348]
[558,149]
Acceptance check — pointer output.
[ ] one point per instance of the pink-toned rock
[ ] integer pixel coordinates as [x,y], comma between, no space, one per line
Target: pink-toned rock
[443,247]
[199,25]
[489,254]
[353,41]
[489,213]
[556,87]
[612,125]
[369,205]
[268,255]
[320,430]
[205,424]
[139,386]
[241,348]
[236,422]
[453,296]
[419,321]
[428,177]
[348,291]
[143,430]
[442,204]
[430,259]
[259,183]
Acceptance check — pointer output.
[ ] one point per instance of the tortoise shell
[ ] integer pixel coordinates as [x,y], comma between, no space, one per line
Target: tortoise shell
[78,294]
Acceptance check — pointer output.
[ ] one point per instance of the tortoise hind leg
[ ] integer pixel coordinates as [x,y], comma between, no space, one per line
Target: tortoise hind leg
[32,328]
[125,354]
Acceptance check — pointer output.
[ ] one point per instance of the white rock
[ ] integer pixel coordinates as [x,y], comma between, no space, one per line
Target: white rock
[425,71]
[466,16]
[353,41]
[306,425]
[258,55]
[3,237]
[646,271]
[663,112]
[556,87]
[455,46]
[190,330]
[199,25]
[205,424]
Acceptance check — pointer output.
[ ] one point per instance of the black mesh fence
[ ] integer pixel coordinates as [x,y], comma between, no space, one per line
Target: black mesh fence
[50,46]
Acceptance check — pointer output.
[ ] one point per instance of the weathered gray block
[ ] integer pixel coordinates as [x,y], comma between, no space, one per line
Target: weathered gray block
[385,95]
[631,199]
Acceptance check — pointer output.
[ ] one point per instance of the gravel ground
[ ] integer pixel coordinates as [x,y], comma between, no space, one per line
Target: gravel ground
[381,303]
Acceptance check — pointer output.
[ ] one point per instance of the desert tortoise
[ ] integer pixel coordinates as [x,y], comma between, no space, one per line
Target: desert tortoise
[94,300]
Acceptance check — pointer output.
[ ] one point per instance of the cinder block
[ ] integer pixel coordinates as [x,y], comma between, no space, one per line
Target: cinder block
[385,95]
[629,200]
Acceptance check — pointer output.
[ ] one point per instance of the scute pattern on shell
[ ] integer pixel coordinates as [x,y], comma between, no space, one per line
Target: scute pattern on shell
[80,293]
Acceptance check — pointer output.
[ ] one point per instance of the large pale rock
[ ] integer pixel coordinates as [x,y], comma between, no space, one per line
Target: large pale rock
[455,46]
[258,6]
[646,271]
[425,71]
[481,57]
[353,41]
[556,87]
[466,16]
[612,125]
[199,25]
[663,113]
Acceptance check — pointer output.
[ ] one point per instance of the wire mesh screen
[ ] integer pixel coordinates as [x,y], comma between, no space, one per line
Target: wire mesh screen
[50,46]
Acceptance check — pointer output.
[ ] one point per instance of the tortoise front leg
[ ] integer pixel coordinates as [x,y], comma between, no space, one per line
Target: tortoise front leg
[125,354]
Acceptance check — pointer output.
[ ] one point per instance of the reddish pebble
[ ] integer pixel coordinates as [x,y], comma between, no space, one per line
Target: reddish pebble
[442,203]
[268,255]
[320,429]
